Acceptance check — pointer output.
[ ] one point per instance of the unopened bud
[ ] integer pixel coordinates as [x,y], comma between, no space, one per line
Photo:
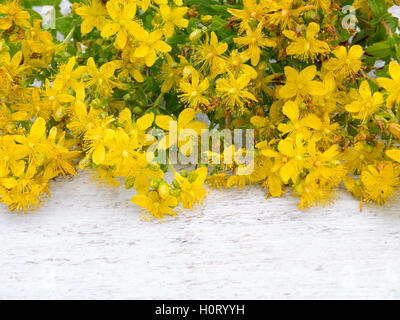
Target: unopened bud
[157,19]
[310,16]
[192,176]
[252,23]
[137,110]
[155,183]
[175,192]
[206,20]
[176,184]
[183,173]
[195,35]
[163,190]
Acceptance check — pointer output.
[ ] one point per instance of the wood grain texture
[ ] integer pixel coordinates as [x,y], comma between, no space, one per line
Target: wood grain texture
[87,242]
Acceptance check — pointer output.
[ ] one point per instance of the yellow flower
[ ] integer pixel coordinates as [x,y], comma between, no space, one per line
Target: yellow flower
[307,47]
[298,125]
[236,63]
[137,129]
[156,205]
[356,159]
[93,14]
[13,66]
[264,125]
[60,160]
[23,191]
[171,72]
[122,152]
[192,92]
[173,17]
[185,121]
[122,24]
[217,180]
[313,193]
[284,13]
[346,63]
[55,98]
[14,15]
[326,168]
[298,158]
[301,84]
[392,86]
[34,144]
[82,119]
[210,55]
[380,182]
[191,187]
[251,10]
[101,79]
[38,47]
[68,77]
[233,91]
[237,181]
[266,170]
[394,154]
[129,65]
[254,40]
[367,104]
[149,45]
[144,4]
[323,4]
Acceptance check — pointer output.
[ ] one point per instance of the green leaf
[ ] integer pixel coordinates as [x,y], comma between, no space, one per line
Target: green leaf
[64,25]
[177,39]
[380,49]
[378,7]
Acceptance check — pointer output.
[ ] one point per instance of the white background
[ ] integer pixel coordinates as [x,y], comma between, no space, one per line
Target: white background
[87,242]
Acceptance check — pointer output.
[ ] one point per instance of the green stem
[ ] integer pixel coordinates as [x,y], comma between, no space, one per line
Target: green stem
[69,36]
[390,141]
[157,101]
[394,118]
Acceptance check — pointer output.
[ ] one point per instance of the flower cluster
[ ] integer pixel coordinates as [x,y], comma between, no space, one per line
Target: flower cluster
[324,114]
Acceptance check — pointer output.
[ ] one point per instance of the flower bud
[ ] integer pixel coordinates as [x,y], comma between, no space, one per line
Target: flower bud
[137,110]
[310,16]
[252,23]
[206,20]
[155,183]
[96,103]
[175,192]
[192,176]
[176,184]
[195,35]
[183,173]
[163,190]
[129,183]
[157,19]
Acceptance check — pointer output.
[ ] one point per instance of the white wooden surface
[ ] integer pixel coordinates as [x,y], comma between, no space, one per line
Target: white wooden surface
[87,242]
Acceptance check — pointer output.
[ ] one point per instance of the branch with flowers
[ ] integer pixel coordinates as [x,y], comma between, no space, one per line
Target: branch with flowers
[89,93]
